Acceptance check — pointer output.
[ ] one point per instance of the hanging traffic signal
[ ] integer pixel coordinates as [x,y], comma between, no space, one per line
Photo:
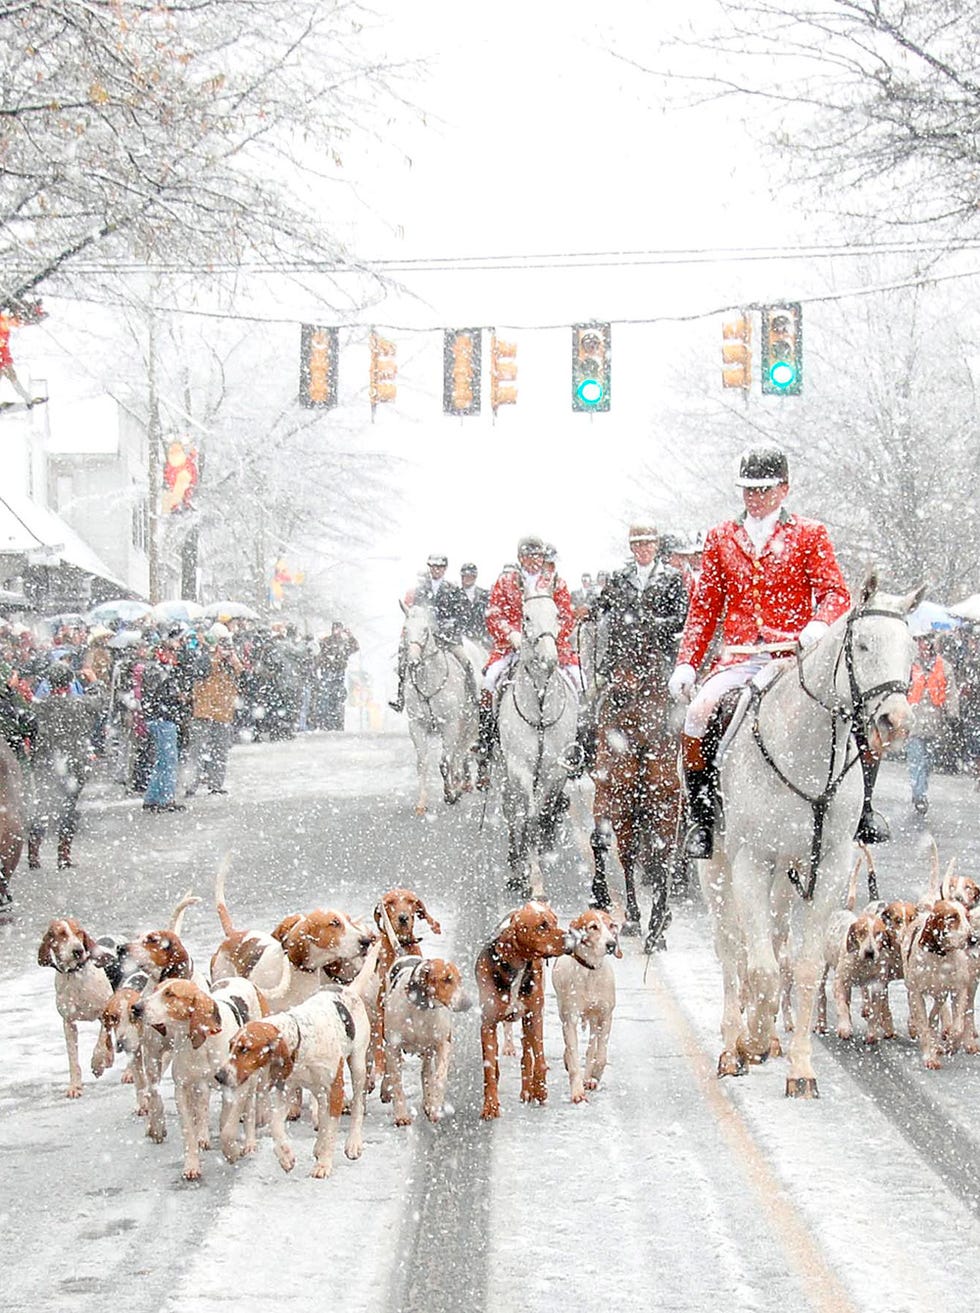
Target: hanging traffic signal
[503,371]
[461,371]
[383,371]
[782,349]
[591,366]
[736,352]
[319,349]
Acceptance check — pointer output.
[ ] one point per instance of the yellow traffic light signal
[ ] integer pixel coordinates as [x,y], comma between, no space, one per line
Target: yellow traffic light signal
[736,353]
[319,350]
[461,371]
[383,371]
[503,370]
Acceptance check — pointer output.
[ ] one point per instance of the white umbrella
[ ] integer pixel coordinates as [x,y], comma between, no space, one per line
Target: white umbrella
[120,608]
[125,638]
[968,609]
[180,609]
[231,611]
[929,616]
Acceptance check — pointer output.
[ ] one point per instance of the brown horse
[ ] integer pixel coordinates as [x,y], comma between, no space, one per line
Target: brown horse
[637,791]
[13,824]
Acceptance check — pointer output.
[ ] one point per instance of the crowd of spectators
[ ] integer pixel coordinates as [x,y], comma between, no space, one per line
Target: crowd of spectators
[160,706]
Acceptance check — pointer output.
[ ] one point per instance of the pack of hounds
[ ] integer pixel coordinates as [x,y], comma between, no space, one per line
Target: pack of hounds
[285,1013]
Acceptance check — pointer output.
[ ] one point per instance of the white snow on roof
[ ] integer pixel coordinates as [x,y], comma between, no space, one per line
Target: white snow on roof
[26,526]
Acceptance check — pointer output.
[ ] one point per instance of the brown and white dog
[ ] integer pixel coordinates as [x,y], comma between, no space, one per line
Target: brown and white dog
[936,965]
[395,916]
[422,994]
[585,986]
[296,959]
[306,1048]
[510,981]
[862,952]
[86,973]
[200,1025]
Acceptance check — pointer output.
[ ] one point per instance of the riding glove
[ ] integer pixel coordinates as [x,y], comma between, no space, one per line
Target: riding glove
[680,686]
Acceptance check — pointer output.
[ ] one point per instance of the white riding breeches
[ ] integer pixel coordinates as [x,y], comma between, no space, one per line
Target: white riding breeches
[496,670]
[717,685]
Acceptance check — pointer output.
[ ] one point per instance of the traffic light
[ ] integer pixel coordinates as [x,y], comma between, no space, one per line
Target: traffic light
[383,372]
[461,371]
[736,352]
[782,349]
[503,371]
[319,349]
[591,366]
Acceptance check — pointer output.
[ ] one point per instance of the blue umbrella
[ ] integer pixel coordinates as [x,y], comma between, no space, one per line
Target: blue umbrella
[120,608]
[929,616]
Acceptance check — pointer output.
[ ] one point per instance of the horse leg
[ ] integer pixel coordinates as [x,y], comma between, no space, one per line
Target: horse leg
[421,762]
[657,840]
[801,1081]
[752,896]
[623,797]
[714,879]
[601,841]
[516,809]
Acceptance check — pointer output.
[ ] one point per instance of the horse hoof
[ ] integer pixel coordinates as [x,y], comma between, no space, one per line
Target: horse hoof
[802,1087]
[731,1064]
[655,944]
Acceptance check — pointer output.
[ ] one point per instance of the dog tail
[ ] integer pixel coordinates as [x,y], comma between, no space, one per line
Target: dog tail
[944,884]
[177,915]
[852,887]
[932,893]
[363,982]
[224,916]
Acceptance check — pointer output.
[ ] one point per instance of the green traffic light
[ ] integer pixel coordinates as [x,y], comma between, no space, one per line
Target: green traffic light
[782,374]
[590,391]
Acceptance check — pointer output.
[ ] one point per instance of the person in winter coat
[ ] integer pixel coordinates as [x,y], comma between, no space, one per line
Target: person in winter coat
[450,613]
[935,699]
[214,699]
[163,699]
[60,760]
[329,675]
[768,577]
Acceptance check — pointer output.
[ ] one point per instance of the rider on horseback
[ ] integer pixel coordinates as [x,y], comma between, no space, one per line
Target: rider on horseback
[450,611]
[504,620]
[771,580]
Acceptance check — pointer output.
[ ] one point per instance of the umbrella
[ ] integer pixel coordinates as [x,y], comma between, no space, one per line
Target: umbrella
[230,611]
[70,618]
[178,610]
[120,608]
[968,609]
[126,638]
[928,616]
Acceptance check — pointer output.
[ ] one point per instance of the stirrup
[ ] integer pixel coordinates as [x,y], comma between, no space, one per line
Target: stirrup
[573,760]
[698,842]
[872,827]
[397,705]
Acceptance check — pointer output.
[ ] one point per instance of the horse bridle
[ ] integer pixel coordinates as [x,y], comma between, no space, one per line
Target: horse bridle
[424,660]
[853,715]
[859,701]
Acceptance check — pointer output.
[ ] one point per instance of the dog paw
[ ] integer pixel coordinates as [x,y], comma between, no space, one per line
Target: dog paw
[579,1096]
[321,1171]
[491,1111]
[353,1149]
[287,1159]
[127,1078]
[192,1173]
[73,1092]
[404,1120]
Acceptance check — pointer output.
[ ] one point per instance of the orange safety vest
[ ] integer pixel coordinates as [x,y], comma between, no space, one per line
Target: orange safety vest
[934,684]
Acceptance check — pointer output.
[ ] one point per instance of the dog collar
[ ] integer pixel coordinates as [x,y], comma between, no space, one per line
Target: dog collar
[590,966]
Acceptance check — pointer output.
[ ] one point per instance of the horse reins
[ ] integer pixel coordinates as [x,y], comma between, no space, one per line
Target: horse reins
[853,716]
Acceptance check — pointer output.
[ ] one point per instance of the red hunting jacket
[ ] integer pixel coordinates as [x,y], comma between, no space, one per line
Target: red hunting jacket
[762,599]
[505,613]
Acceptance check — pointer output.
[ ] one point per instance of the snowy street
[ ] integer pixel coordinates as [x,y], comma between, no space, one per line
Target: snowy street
[669,1189]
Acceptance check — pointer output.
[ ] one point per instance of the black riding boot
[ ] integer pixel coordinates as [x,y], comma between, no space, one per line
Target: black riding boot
[484,740]
[872,827]
[699,781]
[398,702]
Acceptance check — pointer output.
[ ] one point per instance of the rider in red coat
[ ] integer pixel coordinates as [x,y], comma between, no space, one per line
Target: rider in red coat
[505,618]
[769,580]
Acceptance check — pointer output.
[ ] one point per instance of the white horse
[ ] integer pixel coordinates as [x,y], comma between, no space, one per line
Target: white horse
[792,791]
[537,718]
[440,707]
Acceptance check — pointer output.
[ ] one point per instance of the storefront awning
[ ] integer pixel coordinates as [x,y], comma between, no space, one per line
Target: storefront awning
[41,537]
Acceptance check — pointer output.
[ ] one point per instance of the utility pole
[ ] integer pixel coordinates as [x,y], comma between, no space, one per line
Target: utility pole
[154,437]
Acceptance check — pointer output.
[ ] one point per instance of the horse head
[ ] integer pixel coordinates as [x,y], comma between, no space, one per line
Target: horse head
[877,661]
[418,633]
[539,632]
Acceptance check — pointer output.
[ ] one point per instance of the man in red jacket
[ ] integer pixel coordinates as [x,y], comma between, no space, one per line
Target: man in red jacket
[505,618]
[770,580]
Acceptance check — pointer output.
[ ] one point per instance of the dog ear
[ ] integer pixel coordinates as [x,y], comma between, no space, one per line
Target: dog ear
[98,954]
[422,911]
[378,913]
[45,952]
[281,1062]
[205,1020]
